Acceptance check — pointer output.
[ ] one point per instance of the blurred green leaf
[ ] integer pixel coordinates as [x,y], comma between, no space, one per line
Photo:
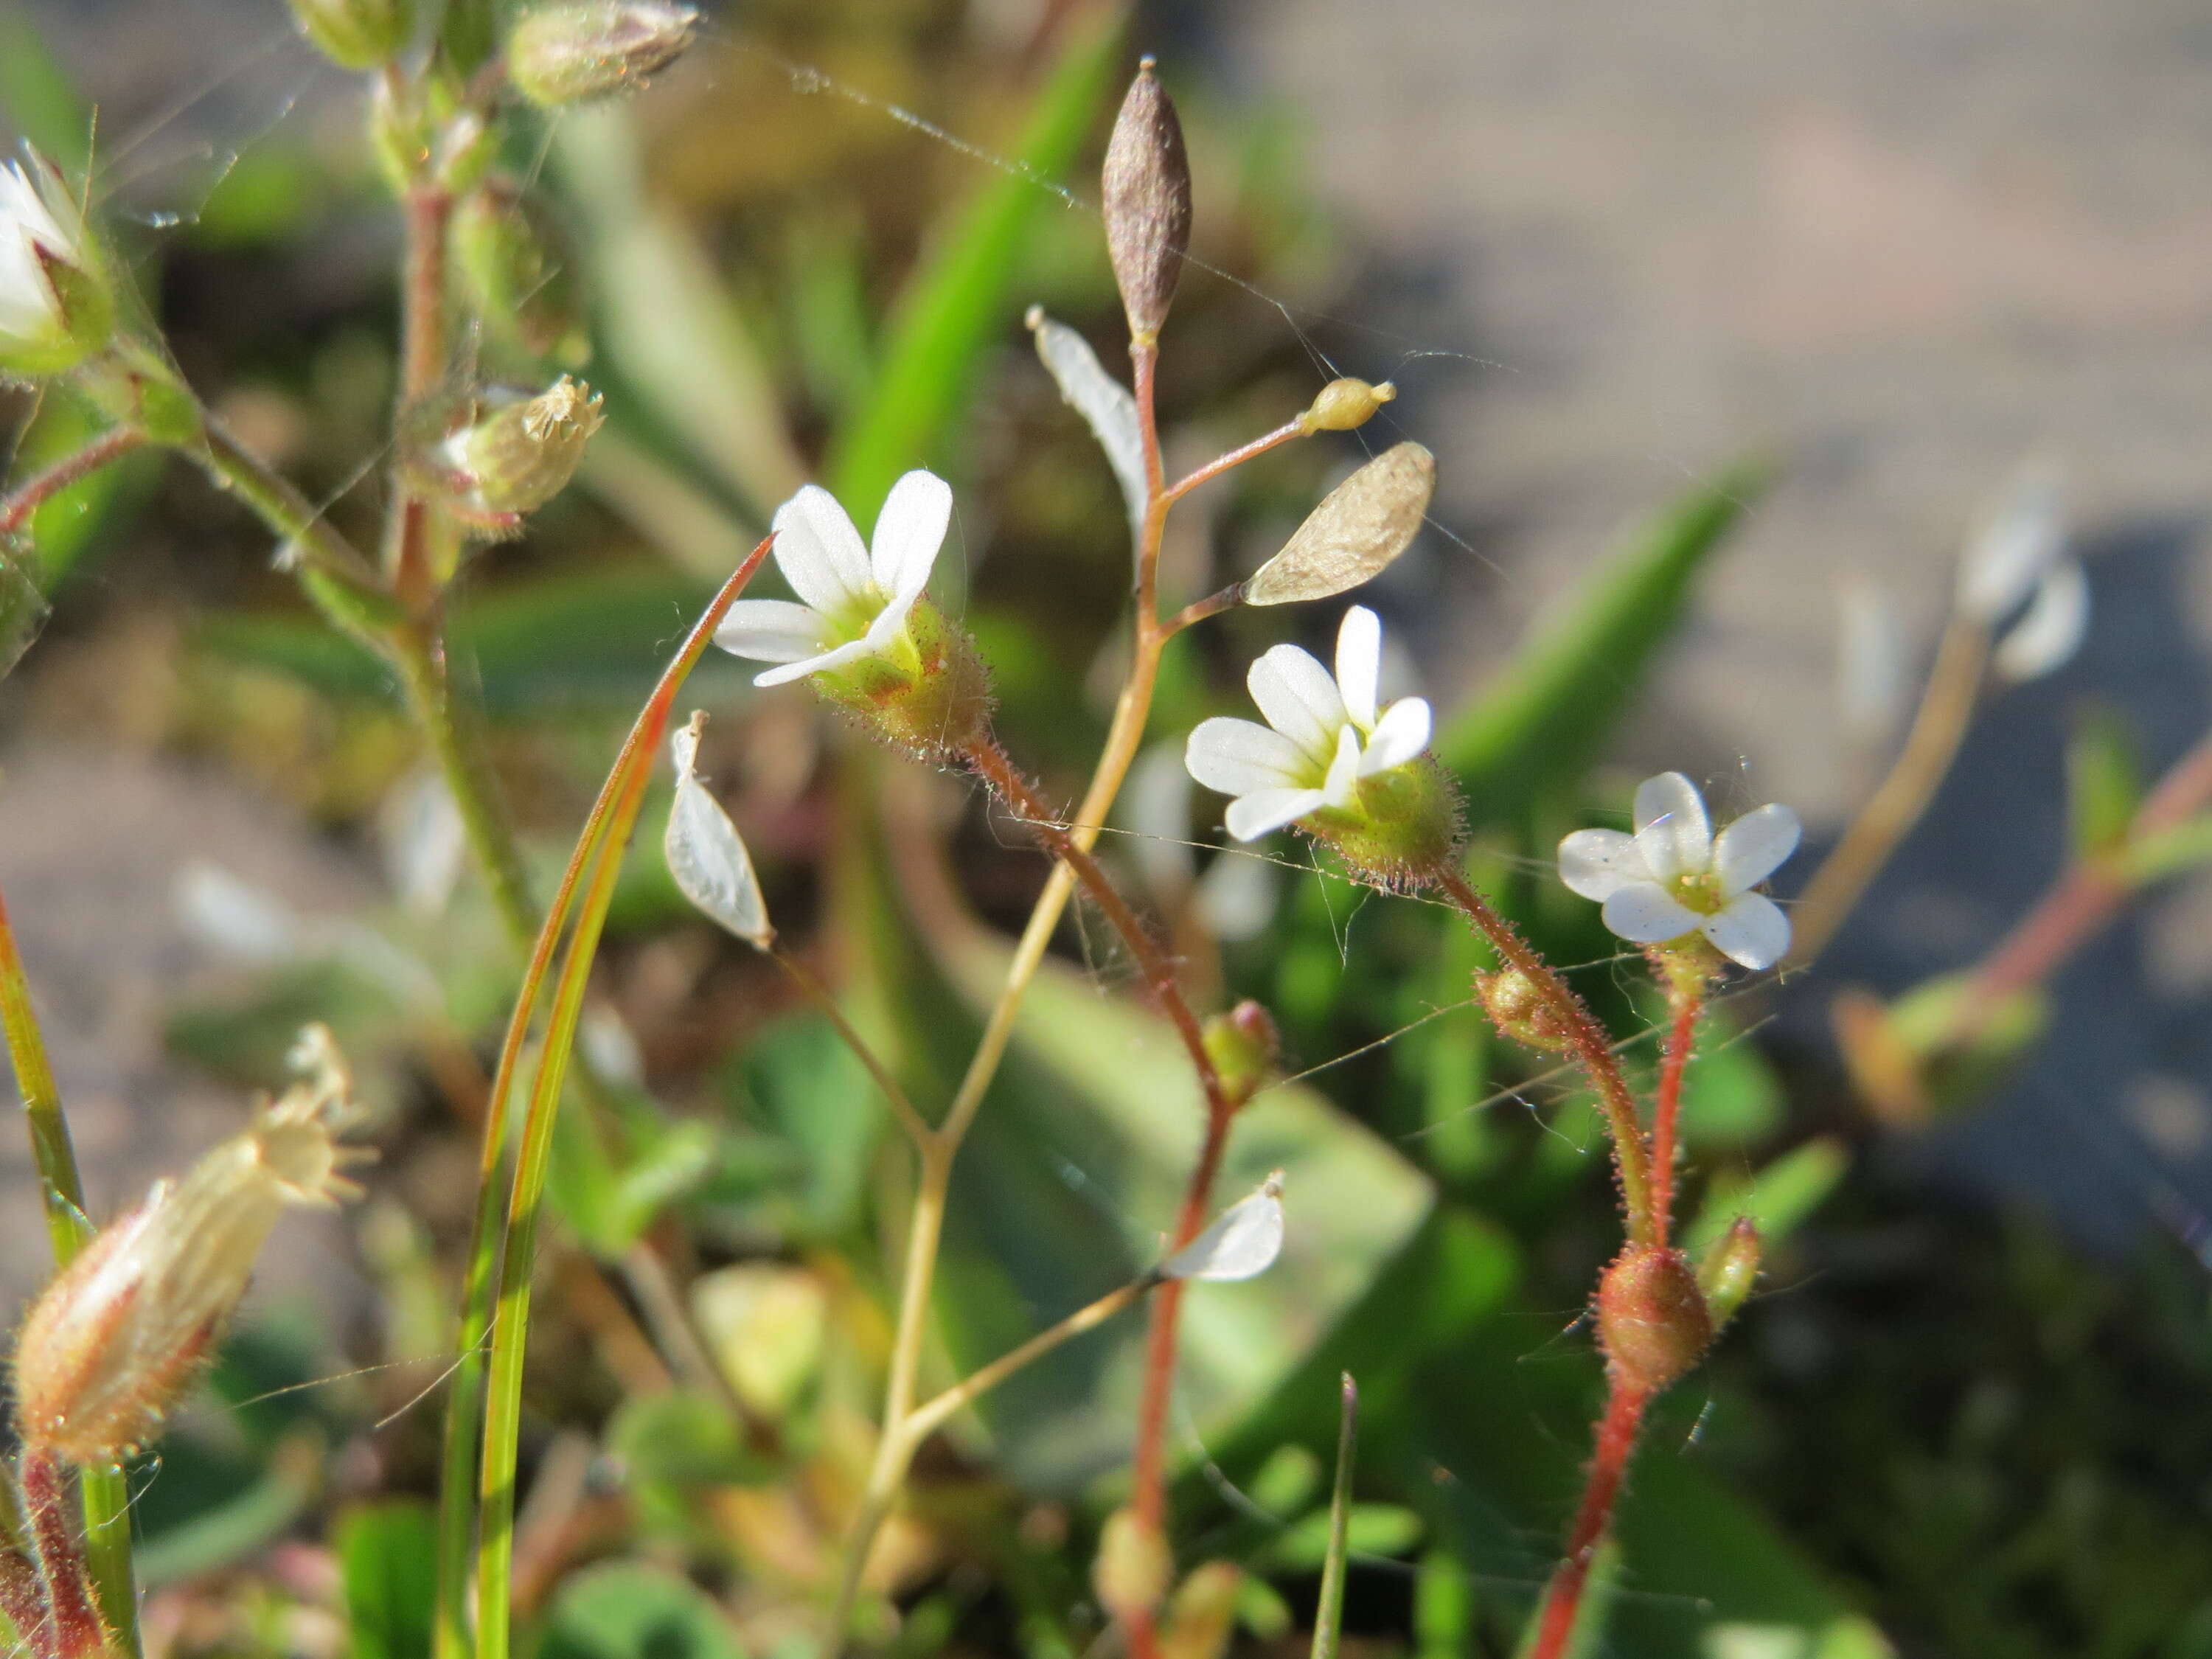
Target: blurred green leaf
[956,303]
[626,1610]
[2103,781]
[1778,1197]
[1732,1097]
[387,1556]
[229,1531]
[40,98]
[1547,713]
[681,1439]
[803,1083]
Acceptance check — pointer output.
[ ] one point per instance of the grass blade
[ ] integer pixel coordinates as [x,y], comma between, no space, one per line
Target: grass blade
[1329,1614]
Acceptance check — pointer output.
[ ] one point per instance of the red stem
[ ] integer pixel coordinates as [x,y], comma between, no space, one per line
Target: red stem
[73,1626]
[1616,1444]
[1668,1112]
[36,490]
[1238,456]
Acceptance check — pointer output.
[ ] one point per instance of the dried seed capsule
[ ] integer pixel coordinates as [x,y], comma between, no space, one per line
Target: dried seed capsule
[1652,1317]
[1146,188]
[115,1339]
[1360,528]
[517,455]
[572,53]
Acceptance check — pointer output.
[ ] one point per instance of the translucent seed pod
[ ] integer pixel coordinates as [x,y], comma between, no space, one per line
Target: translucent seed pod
[1358,529]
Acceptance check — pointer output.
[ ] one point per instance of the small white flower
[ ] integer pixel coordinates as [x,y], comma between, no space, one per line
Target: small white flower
[855,599]
[40,229]
[1674,876]
[1323,736]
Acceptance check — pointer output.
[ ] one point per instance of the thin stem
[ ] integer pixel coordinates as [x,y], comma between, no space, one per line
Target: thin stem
[1294,427]
[1148,1465]
[409,566]
[107,1498]
[926,1418]
[28,496]
[1587,1046]
[916,1127]
[311,537]
[1199,609]
[1673,1061]
[1946,708]
[73,1620]
[1616,1444]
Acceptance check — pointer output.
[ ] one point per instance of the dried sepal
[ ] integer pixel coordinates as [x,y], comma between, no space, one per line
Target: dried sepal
[113,1340]
[572,51]
[1146,190]
[1106,405]
[706,857]
[1242,1242]
[1360,528]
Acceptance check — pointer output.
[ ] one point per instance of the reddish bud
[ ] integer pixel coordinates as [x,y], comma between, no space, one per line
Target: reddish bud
[1652,1317]
[1243,1045]
[1147,187]
[1517,1006]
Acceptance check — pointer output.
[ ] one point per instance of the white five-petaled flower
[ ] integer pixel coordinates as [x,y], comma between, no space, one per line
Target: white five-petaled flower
[855,599]
[1322,737]
[41,233]
[1674,876]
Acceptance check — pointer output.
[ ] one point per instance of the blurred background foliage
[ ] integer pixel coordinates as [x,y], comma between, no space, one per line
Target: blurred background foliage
[1937,1429]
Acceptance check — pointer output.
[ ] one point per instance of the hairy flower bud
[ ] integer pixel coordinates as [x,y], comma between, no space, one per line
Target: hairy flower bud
[1518,1007]
[506,257]
[1146,190]
[1244,1046]
[1729,1269]
[570,53]
[1354,534]
[115,1338]
[1133,1569]
[517,455]
[356,34]
[1345,404]
[56,305]
[1652,1317]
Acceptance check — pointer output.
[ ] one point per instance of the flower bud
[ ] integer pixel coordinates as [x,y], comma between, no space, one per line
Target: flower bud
[56,305]
[927,694]
[1652,1317]
[115,1339]
[517,455]
[505,255]
[1134,1567]
[1146,190]
[1345,404]
[574,53]
[356,34]
[1243,1045]
[1518,1007]
[1359,528]
[1729,1269]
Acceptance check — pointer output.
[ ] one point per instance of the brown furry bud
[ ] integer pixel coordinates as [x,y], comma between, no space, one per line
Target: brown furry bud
[1652,1317]
[1147,187]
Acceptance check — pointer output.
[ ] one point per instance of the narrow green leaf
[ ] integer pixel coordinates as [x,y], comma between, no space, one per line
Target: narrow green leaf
[1778,1197]
[388,1565]
[2103,781]
[1542,721]
[953,305]
[42,101]
[1329,1616]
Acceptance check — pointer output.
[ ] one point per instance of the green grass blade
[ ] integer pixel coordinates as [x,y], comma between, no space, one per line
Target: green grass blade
[1328,1615]
[586,889]
[954,304]
[1556,702]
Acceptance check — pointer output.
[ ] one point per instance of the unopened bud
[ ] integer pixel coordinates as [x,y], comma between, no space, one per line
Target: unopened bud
[356,34]
[1201,1613]
[1360,528]
[1346,404]
[1652,1317]
[1517,1006]
[115,1338]
[571,53]
[506,256]
[1729,1269]
[1134,1567]
[517,455]
[1244,1046]
[55,305]
[1146,190]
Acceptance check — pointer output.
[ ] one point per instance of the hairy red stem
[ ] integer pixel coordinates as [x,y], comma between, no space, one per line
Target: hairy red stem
[39,487]
[1616,1444]
[1667,1111]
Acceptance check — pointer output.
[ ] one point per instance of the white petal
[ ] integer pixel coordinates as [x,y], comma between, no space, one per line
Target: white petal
[852,651]
[1344,771]
[1671,826]
[1104,402]
[1299,699]
[707,856]
[819,552]
[1236,897]
[1751,930]
[1360,664]
[1240,757]
[1752,848]
[771,630]
[1399,736]
[1242,1242]
[889,621]
[2018,538]
[1265,811]
[1647,914]
[1599,863]
[2051,629]
[910,531]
